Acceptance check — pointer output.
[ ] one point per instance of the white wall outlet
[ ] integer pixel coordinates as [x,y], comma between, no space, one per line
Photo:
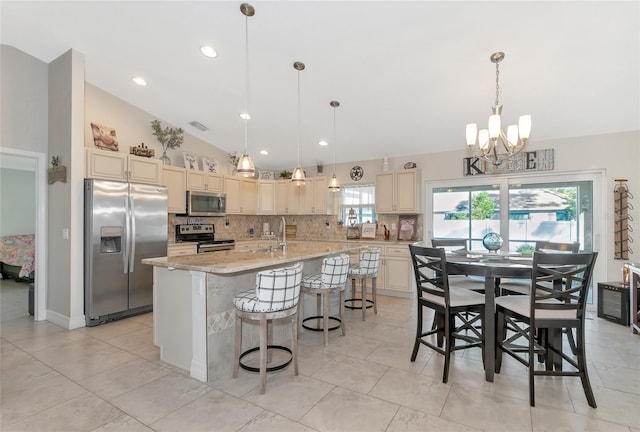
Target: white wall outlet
[393,226]
[65,234]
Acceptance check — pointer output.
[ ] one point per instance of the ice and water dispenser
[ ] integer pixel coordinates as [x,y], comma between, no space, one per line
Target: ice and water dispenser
[110,239]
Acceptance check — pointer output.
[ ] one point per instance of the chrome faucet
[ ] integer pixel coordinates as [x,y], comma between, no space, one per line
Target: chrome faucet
[283,225]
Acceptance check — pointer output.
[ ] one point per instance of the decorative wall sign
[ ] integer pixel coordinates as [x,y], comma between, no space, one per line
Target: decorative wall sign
[104,137]
[266,175]
[538,160]
[56,172]
[368,230]
[408,227]
[621,218]
[142,150]
[209,165]
[190,162]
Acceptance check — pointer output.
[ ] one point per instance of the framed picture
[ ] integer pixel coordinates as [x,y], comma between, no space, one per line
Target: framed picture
[266,175]
[104,137]
[209,165]
[190,162]
[408,227]
[368,230]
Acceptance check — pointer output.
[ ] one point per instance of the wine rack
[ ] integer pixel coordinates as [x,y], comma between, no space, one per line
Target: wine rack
[621,227]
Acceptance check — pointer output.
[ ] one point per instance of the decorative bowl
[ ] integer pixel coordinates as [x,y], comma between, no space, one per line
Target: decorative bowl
[492,241]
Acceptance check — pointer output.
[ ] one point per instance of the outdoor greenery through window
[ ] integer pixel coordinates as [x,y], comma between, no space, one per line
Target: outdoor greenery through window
[361,199]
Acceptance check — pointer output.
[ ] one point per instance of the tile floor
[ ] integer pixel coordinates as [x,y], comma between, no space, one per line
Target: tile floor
[110,378]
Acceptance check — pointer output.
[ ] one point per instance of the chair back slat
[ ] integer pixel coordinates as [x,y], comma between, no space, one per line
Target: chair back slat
[561,281]
[279,288]
[430,271]
[334,270]
[545,246]
[450,243]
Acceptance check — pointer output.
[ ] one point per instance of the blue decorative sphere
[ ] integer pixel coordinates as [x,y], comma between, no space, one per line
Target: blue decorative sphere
[492,241]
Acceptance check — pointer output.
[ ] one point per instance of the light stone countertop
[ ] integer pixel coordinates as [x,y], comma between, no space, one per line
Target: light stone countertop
[226,262]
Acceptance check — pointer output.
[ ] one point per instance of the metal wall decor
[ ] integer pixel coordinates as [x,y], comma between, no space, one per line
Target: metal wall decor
[621,219]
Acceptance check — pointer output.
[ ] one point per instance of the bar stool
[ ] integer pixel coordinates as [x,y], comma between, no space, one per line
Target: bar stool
[275,296]
[331,279]
[366,268]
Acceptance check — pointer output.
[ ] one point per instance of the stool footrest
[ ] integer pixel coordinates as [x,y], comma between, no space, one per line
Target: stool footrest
[348,306]
[319,317]
[269,368]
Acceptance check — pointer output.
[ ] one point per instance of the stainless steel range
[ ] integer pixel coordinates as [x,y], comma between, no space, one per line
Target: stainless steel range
[204,235]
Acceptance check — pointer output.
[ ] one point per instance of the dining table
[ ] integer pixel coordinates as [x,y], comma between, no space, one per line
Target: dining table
[492,267]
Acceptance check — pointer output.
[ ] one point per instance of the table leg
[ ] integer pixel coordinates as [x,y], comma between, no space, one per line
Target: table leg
[489,327]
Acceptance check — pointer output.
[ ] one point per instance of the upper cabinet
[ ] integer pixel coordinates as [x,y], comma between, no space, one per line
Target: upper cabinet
[242,195]
[204,181]
[397,192]
[110,165]
[266,197]
[175,179]
[310,198]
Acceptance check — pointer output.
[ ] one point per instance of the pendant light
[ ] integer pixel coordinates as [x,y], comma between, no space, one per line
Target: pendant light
[334,186]
[245,167]
[298,174]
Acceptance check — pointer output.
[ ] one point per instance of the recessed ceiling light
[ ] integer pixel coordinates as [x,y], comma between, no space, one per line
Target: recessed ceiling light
[323,143]
[264,152]
[245,116]
[209,51]
[139,80]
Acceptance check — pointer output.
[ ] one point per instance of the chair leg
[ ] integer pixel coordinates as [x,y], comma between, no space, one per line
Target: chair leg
[532,356]
[582,368]
[448,321]
[353,288]
[344,332]
[238,346]
[300,313]
[269,339]
[318,306]
[572,341]
[294,342]
[373,295]
[263,355]
[325,317]
[363,287]
[416,344]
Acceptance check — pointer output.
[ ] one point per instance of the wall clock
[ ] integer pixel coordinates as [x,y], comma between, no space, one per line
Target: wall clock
[356,173]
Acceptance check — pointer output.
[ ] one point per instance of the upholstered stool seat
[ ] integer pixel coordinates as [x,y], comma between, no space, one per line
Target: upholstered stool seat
[275,296]
[365,269]
[331,279]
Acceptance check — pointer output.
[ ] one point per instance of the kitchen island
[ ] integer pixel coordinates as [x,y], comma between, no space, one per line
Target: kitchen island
[193,312]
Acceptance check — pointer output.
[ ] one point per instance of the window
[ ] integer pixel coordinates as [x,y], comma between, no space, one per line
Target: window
[361,199]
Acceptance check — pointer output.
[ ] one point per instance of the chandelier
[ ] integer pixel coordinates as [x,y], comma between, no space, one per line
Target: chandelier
[245,167]
[492,143]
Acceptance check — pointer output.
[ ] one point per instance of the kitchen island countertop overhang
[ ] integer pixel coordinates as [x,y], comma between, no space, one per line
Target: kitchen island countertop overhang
[193,312]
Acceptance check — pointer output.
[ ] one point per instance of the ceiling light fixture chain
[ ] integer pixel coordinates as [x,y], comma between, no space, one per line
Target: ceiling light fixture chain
[245,167]
[298,177]
[334,186]
[492,143]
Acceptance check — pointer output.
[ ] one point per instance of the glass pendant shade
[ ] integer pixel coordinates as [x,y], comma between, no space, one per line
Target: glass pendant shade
[524,126]
[298,176]
[245,167]
[472,132]
[334,186]
[483,138]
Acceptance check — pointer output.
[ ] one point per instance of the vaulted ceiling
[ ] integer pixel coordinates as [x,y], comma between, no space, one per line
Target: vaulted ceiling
[409,75]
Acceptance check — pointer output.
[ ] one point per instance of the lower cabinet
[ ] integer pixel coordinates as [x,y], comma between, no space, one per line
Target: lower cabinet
[395,274]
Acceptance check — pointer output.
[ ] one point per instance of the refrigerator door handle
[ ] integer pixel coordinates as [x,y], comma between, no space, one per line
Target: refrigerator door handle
[132,257]
[127,229]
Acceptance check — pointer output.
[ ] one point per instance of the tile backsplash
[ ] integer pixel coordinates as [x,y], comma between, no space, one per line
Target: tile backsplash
[308,227]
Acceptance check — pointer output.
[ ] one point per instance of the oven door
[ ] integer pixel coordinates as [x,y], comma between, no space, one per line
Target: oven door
[206,203]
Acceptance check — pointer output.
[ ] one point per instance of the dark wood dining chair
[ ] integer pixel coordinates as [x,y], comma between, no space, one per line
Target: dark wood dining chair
[459,280]
[459,312]
[557,301]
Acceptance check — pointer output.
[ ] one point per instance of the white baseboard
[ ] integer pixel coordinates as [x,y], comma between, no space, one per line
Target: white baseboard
[69,323]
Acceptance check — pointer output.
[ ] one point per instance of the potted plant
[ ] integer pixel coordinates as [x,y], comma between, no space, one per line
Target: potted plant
[285,174]
[170,138]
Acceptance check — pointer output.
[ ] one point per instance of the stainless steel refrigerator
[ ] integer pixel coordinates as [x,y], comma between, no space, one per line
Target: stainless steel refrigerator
[123,223]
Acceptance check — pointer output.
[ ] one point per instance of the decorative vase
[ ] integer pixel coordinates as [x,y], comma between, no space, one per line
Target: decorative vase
[492,241]
[165,159]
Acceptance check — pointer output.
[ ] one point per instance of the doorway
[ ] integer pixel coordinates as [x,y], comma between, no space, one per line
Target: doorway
[36,163]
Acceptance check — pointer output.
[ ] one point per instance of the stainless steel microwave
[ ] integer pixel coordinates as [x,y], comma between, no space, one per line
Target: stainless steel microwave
[201,203]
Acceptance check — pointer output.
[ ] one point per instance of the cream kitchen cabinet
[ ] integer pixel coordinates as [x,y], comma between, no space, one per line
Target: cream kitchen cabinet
[242,195]
[396,270]
[175,179]
[397,192]
[287,197]
[266,197]
[313,196]
[110,165]
[204,181]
